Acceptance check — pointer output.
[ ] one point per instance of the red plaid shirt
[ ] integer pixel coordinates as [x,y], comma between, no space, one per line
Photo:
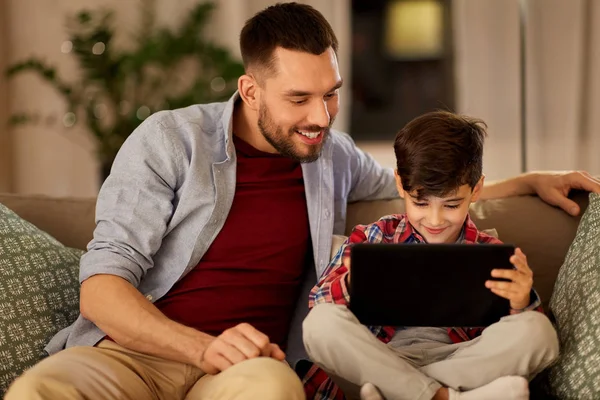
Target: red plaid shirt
[332,288]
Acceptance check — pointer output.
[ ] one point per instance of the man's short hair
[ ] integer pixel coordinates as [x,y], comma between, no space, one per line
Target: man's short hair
[291,26]
[439,152]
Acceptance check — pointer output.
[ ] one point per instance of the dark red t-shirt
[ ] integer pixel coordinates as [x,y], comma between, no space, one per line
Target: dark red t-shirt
[253,270]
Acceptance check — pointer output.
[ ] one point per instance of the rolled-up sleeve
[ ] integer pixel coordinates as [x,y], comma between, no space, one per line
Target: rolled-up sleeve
[135,205]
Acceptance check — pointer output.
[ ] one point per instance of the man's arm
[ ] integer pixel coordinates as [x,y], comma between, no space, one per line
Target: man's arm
[124,314]
[552,187]
[368,179]
[134,207]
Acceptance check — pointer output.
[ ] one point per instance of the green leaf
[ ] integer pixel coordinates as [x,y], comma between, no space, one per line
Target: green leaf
[145,74]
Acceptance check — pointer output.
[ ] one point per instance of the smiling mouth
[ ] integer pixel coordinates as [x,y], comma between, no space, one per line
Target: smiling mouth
[310,137]
[435,231]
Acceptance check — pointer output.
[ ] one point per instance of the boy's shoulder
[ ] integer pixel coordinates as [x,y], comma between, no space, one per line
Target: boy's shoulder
[474,235]
[384,230]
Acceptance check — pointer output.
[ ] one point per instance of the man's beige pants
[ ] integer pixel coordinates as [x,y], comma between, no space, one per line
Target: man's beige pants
[522,344]
[110,371]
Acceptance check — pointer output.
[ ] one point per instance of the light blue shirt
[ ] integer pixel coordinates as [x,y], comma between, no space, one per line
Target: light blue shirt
[169,193]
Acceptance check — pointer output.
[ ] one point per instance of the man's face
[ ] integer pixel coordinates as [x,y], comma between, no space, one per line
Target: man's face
[440,219]
[299,102]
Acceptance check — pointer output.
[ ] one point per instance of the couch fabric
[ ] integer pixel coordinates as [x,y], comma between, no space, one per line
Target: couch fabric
[542,231]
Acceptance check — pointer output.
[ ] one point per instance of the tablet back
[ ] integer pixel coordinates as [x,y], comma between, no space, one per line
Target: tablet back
[427,284]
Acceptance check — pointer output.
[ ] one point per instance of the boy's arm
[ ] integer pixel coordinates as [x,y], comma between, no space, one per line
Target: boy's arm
[332,287]
[535,304]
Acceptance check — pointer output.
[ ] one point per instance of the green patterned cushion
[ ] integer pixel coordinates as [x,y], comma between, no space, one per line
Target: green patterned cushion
[575,304]
[39,293]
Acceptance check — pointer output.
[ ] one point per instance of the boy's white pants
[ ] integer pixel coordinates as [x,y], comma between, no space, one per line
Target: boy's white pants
[521,344]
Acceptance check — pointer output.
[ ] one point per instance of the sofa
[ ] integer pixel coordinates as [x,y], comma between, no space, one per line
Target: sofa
[543,232]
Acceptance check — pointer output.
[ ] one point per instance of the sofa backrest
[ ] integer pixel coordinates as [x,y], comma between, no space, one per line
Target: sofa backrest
[543,232]
[70,220]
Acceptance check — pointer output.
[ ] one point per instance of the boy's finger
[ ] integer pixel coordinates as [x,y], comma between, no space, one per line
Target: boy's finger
[503,293]
[519,263]
[510,274]
[505,286]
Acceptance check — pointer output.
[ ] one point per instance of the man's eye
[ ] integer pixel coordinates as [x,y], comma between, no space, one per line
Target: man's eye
[298,101]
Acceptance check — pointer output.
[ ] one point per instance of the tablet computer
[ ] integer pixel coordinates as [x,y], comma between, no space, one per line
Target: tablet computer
[417,284]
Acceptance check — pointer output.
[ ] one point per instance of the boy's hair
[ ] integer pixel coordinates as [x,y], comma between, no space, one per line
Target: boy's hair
[292,26]
[438,152]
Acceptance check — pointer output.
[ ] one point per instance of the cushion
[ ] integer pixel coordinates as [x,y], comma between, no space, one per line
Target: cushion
[39,293]
[575,305]
[336,242]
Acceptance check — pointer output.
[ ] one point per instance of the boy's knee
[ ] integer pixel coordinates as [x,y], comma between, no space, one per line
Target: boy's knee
[322,324]
[538,334]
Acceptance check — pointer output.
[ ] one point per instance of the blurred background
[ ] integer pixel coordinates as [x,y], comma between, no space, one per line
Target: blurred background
[83,74]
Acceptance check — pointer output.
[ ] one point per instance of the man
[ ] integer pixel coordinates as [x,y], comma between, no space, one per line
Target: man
[209,225]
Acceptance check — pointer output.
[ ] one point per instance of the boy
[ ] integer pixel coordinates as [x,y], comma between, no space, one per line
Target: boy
[439,173]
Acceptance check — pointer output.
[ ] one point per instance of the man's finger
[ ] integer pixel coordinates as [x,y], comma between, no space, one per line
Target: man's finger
[566,204]
[276,352]
[259,339]
[583,180]
[217,364]
[236,339]
[231,353]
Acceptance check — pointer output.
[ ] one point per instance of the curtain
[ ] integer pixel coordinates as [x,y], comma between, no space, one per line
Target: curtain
[5,144]
[562,81]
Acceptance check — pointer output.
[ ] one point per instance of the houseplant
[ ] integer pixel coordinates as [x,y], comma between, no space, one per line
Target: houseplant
[118,88]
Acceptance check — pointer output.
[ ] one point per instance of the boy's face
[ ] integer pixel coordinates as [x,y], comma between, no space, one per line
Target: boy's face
[439,219]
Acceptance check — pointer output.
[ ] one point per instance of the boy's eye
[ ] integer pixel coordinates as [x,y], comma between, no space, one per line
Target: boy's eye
[453,206]
[420,204]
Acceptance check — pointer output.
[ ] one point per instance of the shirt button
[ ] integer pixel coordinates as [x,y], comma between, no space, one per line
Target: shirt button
[149,297]
[327,213]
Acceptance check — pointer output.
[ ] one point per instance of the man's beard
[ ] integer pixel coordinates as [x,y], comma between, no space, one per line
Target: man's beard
[284,143]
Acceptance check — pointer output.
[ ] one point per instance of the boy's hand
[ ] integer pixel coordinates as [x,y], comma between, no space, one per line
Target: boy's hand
[518,290]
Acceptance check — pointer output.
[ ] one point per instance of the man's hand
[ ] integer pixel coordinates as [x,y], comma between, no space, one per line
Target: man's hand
[235,345]
[554,187]
[518,290]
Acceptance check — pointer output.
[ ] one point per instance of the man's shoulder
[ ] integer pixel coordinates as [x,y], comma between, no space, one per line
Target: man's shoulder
[193,129]
[340,141]
[343,151]
[205,118]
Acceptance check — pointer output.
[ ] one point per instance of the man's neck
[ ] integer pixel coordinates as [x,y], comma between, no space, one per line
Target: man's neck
[245,127]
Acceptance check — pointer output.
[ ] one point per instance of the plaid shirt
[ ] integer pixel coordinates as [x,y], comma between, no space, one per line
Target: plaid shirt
[332,288]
